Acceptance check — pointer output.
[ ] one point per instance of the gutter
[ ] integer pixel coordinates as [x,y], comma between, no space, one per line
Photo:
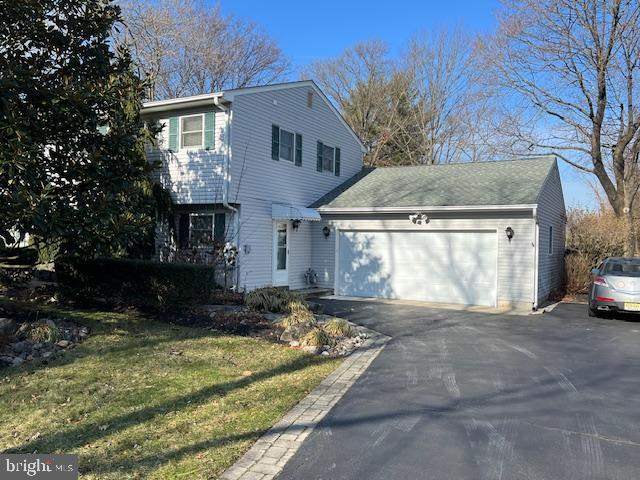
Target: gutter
[446,208]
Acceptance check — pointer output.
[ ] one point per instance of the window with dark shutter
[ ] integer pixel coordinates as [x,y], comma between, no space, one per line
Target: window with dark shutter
[320,153]
[298,149]
[183,231]
[218,227]
[275,142]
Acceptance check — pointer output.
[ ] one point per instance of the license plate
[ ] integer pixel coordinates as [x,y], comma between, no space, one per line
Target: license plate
[633,307]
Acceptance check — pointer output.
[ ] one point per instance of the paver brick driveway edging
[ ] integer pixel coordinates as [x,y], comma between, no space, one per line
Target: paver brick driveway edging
[267,457]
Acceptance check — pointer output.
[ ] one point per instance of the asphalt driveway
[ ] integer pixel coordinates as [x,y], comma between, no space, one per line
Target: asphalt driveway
[459,395]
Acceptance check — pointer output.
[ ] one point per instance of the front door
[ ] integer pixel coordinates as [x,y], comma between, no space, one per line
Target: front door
[281,253]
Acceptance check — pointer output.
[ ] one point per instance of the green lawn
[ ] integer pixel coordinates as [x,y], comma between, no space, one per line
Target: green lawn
[144,399]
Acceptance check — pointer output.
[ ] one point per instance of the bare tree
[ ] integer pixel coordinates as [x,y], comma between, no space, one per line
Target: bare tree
[567,74]
[446,108]
[188,48]
[421,109]
[357,82]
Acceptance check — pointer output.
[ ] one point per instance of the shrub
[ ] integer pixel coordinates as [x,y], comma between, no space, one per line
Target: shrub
[136,282]
[338,328]
[42,332]
[299,314]
[271,299]
[577,272]
[315,338]
[591,237]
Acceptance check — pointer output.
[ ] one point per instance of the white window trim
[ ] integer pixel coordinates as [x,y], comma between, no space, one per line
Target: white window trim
[550,246]
[180,132]
[293,151]
[333,160]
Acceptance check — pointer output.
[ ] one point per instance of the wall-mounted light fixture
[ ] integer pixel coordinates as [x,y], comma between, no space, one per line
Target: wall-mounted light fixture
[509,232]
[326,231]
[295,224]
[419,218]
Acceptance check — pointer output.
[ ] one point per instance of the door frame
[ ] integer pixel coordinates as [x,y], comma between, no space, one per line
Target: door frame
[280,278]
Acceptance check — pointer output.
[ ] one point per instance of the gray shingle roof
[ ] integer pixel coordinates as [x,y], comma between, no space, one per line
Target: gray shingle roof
[510,182]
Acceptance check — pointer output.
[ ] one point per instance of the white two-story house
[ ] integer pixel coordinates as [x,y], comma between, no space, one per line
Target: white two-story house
[243,165]
[277,171]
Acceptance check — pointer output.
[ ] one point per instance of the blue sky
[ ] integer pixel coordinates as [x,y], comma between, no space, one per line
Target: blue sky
[307,33]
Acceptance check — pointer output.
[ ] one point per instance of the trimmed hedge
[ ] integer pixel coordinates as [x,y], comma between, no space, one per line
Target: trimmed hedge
[136,282]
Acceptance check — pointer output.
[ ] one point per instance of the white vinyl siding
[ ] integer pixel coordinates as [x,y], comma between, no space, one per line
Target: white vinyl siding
[257,181]
[551,244]
[191,176]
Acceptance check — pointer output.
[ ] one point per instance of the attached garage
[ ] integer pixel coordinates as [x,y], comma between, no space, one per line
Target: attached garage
[488,234]
[432,266]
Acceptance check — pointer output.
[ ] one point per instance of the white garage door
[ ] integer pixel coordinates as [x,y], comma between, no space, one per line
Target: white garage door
[447,267]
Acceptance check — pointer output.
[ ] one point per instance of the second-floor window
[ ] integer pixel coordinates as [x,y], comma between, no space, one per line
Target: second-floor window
[191,131]
[286,145]
[328,159]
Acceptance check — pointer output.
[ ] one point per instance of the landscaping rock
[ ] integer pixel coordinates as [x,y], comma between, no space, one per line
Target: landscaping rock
[8,327]
[325,353]
[17,361]
[273,317]
[294,343]
[47,354]
[38,346]
[49,322]
[63,343]
[295,332]
[312,349]
[22,347]
[6,360]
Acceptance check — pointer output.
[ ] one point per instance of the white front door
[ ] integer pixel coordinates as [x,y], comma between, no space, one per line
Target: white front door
[281,253]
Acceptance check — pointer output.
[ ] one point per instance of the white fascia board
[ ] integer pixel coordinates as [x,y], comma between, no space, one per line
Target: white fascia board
[178,103]
[448,208]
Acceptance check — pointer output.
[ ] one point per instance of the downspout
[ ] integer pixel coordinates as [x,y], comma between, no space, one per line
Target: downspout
[227,179]
[536,239]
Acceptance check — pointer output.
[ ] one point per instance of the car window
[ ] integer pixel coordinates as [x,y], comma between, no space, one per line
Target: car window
[623,267]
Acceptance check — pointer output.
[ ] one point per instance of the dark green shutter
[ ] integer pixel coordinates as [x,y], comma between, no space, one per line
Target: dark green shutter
[183,230]
[298,149]
[275,142]
[336,167]
[173,134]
[320,152]
[209,128]
[218,227]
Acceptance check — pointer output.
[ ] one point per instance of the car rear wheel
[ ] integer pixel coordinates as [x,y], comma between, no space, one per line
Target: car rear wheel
[593,312]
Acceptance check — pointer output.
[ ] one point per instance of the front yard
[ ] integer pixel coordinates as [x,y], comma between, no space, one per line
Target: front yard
[145,399]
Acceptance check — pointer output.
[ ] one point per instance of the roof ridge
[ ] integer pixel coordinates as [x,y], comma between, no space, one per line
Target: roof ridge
[484,162]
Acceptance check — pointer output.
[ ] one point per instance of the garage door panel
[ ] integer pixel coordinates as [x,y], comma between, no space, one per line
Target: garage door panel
[449,267]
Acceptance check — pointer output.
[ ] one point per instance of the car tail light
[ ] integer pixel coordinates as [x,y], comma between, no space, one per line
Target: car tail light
[604,299]
[600,280]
